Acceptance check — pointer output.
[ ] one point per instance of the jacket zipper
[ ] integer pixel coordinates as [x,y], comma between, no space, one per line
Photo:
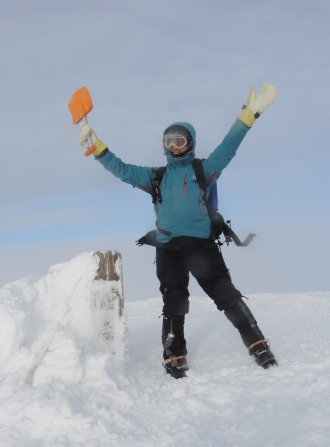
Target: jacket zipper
[184,186]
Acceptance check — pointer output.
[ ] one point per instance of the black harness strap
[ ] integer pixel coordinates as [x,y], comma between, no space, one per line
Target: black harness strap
[157,195]
[165,232]
[216,219]
[218,225]
[150,239]
[197,164]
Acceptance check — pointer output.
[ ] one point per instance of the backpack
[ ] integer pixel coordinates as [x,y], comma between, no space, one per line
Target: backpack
[218,225]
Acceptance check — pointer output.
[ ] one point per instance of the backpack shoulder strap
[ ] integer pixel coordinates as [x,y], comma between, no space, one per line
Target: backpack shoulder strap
[155,184]
[215,218]
[160,172]
[197,164]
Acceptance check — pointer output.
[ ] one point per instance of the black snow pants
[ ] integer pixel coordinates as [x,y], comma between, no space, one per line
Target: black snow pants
[203,259]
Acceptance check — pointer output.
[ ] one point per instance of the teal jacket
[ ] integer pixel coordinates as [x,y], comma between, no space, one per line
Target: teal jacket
[182,212]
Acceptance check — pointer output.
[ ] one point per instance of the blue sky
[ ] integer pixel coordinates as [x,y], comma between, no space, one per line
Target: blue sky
[148,64]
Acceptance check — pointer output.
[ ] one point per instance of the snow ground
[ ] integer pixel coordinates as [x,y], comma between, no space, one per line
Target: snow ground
[62,385]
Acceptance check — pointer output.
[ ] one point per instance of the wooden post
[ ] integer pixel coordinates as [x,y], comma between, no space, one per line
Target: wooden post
[108,317]
[110,269]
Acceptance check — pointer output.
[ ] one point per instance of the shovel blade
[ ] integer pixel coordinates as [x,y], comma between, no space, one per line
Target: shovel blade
[80,104]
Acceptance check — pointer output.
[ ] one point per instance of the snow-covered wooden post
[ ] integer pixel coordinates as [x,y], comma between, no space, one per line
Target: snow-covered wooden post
[109,299]
[111,269]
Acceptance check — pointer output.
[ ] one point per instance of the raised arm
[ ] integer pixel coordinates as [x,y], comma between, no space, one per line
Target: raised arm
[136,176]
[222,155]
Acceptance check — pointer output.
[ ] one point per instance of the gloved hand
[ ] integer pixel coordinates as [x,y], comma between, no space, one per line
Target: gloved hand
[256,105]
[85,131]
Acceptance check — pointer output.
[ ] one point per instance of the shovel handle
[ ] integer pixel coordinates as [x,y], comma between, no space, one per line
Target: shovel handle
[91,148]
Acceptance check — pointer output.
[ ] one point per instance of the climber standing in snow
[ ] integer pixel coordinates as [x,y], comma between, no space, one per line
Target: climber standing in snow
[183,239]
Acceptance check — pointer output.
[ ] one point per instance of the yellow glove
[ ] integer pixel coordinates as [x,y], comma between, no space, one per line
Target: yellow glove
[85,132]
[256,105]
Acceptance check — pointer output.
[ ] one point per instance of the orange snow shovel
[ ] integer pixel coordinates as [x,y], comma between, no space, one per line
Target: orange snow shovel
[80,105]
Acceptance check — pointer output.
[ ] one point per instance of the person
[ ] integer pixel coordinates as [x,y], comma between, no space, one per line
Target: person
[183,240]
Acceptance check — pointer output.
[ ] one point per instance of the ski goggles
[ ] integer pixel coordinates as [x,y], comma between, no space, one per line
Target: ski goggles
[175,140]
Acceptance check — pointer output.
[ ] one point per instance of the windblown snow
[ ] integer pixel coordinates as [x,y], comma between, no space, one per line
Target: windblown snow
[64,383]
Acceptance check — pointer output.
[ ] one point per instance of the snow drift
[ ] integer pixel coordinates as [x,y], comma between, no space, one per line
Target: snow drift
[62,383]
[59,326]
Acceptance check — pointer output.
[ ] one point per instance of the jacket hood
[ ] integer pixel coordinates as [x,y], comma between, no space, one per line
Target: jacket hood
[191,154]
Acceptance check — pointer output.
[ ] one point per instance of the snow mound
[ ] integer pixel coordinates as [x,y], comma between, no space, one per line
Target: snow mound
[62,384]
[59,328]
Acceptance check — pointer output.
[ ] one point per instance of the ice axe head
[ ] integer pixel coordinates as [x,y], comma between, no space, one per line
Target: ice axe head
[80,105]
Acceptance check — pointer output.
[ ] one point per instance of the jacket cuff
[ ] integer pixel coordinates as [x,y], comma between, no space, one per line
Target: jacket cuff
[248,117]
[102,154]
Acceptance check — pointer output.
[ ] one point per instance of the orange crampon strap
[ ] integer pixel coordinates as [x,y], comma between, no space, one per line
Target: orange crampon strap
[172,359]
[257,343]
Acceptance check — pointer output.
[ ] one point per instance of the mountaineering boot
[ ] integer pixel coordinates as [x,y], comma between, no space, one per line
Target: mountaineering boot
[176,366]
[262,354]
[174,344]
[241,317]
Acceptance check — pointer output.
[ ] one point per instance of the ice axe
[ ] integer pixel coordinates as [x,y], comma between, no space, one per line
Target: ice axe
[80,105]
